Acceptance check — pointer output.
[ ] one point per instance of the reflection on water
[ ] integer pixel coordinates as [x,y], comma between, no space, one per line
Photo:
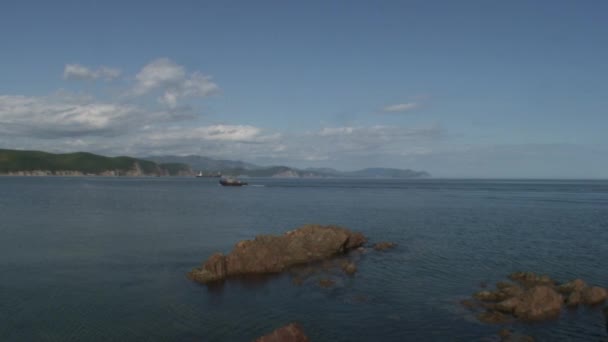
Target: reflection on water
[100,259]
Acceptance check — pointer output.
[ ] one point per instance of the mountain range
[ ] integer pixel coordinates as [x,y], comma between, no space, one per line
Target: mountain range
[212,166]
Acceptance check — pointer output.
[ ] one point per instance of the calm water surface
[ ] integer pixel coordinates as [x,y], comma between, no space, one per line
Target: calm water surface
[104,259]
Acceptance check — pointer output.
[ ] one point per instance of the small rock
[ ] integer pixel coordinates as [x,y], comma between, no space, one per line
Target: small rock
[593,295]
[504,333]
[292,332]
[326,283]
[349,267]
[382,246]
[297,281]
[469,304]
[503,285]
[486,296]
[493,317]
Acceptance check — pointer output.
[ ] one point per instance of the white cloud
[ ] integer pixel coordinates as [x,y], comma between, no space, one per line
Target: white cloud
[222,133]
[80,72]
[54,116]
[401,107]
[171,80]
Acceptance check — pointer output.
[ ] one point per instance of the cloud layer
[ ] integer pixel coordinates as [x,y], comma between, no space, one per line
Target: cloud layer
[172,82]
[79,72]
[400,108]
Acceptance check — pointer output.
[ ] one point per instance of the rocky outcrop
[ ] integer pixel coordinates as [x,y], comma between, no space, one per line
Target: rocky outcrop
[274,254]
[532,298]
[292,332]
[538,303]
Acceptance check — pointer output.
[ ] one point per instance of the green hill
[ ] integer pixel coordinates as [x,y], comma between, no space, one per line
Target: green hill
[15,161]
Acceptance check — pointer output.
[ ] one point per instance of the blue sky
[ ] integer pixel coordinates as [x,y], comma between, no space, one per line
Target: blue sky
[457,88]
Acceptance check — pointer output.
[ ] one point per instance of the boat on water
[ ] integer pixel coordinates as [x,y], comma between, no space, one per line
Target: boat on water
[231,182]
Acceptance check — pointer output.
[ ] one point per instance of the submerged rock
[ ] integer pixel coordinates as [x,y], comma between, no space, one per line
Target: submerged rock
[326,283]
[273,254]
[292,332]
[382,246]
[349,267]
[494,317]
[507,335]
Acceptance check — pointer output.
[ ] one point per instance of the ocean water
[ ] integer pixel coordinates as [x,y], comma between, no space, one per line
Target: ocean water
[104,259]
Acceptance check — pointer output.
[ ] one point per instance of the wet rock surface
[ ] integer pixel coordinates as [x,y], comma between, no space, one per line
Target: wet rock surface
[292,332]
[532,297]
[273,254]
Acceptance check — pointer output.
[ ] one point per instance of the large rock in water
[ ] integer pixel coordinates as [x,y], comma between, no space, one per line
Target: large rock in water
[290,333]
[273,254]
[539,303]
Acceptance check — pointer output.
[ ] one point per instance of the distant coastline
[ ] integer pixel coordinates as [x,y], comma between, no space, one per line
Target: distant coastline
[78,164]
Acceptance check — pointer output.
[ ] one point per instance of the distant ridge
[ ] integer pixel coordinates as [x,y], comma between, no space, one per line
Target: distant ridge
[38,163]
[239,168]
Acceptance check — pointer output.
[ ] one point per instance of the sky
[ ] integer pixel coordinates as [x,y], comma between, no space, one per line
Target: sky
[490,89]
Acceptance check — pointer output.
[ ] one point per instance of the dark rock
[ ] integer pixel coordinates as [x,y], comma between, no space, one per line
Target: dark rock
[593,295]
[539,303]
[504,333]
[326,283]
[273,254]
[507,335]
[469,304]
[349,267]
[493,317]
[382,246]
[574,299]
[292,332]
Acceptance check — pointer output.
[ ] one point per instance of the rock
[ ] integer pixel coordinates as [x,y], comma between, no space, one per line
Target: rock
[212,270]
[349,267]
[593,295]
[273,254]
[508,305]
[292,332]
[486,296]
[539,303]
[575,285]
[531,279]
[326,283]
[504,284]
[493,317]
[469,304]
[574,299]
[382,246]
[511,291]
[504,333]
[507,335]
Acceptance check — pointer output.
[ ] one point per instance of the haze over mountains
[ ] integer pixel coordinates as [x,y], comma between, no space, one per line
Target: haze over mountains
[240,168]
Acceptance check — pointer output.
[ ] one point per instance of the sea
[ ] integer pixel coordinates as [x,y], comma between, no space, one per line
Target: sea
[105,258]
